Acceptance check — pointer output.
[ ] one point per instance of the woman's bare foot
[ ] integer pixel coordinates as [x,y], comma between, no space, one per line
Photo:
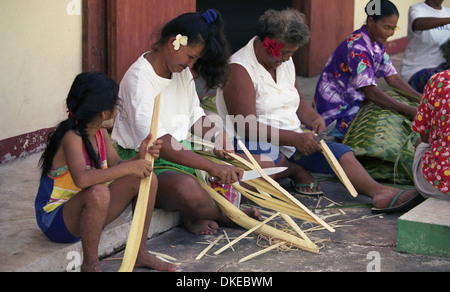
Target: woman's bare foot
[304,182]
[307,188]
[253,213]
[209,227]
[384,198]
[201,227]
[147,260]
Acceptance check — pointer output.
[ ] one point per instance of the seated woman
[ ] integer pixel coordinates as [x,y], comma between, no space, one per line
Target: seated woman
[349,77]
[428,30]
[263,91]
[190,43]
[431,164]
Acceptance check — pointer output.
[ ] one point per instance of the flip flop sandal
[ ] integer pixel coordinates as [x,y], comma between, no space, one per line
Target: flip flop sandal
[402,208]
[312,186]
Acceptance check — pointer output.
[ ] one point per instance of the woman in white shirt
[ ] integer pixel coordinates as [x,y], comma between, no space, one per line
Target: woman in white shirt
[263,89]
[191,41]
[428,30]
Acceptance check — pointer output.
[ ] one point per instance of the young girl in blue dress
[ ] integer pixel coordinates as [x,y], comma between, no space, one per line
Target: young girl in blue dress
[84,184]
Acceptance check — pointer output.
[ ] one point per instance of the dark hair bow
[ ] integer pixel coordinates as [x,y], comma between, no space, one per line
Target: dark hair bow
[210,16]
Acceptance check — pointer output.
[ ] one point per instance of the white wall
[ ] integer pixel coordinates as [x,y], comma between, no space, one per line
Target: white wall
[40,55]
[402,6]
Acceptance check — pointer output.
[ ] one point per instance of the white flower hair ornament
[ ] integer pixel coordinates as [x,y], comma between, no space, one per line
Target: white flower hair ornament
[180,41]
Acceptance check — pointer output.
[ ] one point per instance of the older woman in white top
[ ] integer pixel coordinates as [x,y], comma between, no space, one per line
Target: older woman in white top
[263,90]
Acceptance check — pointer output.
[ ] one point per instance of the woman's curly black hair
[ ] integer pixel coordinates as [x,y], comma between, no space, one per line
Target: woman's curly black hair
[201,29]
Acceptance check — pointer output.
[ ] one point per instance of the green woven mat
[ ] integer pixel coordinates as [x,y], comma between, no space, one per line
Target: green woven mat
[209,103]
[383,142]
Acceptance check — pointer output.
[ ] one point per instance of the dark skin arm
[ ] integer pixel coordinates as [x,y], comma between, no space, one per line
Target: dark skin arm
[427,23]
[424,138]
[175,152]
[377,96]
[207,130]
[398,82]
[307,115]
[71,154]
[239,95]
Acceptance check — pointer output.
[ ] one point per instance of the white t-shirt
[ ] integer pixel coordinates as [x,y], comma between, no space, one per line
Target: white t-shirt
[276,102]
[179,109]
[423,50]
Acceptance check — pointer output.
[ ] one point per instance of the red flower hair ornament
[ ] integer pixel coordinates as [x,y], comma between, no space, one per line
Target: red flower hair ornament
[273,48]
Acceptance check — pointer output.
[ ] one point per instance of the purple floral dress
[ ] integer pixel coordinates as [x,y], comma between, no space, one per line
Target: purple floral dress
[355,64]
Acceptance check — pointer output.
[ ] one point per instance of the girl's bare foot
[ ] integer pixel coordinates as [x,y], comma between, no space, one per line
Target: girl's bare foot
[91,268]
[147,260]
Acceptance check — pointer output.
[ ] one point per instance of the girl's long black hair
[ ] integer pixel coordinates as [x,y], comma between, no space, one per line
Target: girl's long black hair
[90,94]
[207,29]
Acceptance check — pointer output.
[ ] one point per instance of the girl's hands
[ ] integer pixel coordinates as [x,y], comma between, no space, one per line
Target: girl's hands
[153,150]
[141,167]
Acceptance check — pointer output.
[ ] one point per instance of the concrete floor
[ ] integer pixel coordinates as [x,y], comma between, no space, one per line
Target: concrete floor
[364,243]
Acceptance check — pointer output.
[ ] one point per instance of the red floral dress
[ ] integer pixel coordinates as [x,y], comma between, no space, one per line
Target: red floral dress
[433,119]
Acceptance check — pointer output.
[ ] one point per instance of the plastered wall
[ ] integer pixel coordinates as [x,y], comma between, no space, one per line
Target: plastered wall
[40,54]
[403,7]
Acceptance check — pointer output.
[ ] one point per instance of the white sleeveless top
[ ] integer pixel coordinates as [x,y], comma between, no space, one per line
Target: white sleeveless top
[276,102]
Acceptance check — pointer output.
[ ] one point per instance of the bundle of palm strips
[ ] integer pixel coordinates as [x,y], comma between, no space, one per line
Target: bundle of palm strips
[269,195]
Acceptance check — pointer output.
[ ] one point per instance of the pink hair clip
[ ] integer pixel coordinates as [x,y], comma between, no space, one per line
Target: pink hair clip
[72,115]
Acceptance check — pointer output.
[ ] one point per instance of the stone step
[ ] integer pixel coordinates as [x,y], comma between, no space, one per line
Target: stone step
[425,229]
[41,255]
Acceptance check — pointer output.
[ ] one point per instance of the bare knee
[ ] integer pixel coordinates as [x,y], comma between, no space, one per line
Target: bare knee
[98,197]
[190,193]
[180,192]
[187,194]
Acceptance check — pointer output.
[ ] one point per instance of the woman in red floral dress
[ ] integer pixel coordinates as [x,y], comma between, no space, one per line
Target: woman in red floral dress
[432,161]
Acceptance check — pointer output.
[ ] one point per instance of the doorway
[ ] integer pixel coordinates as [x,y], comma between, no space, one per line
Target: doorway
[117,32]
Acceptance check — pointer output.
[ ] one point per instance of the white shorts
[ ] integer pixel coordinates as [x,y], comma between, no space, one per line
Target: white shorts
[425,188]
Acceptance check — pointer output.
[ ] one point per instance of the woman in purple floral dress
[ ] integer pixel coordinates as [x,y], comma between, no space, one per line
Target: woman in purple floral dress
[349,77]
